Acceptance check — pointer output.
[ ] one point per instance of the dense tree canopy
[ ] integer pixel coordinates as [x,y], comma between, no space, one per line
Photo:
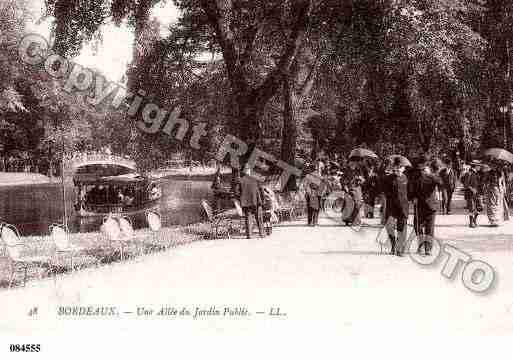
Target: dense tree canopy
[294,77]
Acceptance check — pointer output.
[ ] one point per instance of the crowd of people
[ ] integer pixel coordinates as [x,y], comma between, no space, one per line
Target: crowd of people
[395,185]
[428,185]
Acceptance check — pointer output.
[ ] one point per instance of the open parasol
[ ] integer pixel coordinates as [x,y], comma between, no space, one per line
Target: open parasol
[402,160]
[362,153]
[499,154]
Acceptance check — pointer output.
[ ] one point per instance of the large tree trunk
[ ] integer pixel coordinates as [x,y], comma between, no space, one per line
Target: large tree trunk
[509,97]
[136,144]
[294,97]
[290,130]
[249,102]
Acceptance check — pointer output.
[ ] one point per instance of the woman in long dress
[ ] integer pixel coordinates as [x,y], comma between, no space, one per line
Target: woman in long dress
[495,187]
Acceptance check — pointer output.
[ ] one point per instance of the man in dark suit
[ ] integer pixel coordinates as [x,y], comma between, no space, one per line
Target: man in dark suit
[313,204]
[448,176]
[250,201]
[472,186]
[423,191]
[395,188]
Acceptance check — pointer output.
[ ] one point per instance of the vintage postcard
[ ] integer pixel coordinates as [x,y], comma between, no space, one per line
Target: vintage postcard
[273,169]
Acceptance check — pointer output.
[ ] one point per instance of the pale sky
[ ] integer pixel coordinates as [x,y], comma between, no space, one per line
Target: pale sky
[115,53]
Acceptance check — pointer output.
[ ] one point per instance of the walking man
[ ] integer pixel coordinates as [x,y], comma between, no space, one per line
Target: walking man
[472,186]
[250,201]
[395,188]
[448,176]
[423,191]
[313,204]
[370,191]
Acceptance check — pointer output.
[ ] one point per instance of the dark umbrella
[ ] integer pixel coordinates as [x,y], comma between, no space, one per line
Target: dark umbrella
[402,160]
[499,154]
[361,153]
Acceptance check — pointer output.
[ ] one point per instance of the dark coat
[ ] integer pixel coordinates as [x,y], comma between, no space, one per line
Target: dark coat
[249,192]
[395,189]
[313,201]
[448,176]
[472,183]
[371,186]
[313,197]
[423,189]
[351,181]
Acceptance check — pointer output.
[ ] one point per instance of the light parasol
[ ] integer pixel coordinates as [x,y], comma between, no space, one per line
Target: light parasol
[499,154]
[362,153]
[402,160]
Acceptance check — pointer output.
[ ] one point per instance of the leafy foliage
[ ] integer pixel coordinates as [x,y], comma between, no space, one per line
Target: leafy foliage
[295,77]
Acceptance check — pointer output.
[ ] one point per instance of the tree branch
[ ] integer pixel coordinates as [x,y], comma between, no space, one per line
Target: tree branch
[310,79]
[250,43]
[275,78]
[219,19]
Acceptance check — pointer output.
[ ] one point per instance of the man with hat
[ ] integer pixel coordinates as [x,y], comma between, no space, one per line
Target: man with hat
[448,176]
[472,187]
[313,204]
[251,201]
[395,189]
[423,191]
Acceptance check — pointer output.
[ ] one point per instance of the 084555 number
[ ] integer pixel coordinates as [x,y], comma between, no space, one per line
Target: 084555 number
[27,348]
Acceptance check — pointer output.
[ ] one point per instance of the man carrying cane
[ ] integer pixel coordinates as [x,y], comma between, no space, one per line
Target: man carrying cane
[472,186]
[395,188]
[422,190]
[448,176]
[251,201]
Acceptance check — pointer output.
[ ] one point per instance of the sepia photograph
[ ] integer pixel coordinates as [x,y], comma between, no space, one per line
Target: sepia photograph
[172,170]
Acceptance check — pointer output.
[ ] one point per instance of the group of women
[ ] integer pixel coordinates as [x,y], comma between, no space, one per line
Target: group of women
[493,185]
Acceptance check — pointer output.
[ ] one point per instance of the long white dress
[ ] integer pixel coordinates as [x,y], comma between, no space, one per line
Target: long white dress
[494,195]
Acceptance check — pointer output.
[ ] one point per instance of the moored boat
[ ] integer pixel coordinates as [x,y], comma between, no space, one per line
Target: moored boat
[107,184]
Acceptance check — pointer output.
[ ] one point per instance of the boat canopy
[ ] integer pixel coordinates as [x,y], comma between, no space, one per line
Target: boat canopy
[88,162]
[92,179]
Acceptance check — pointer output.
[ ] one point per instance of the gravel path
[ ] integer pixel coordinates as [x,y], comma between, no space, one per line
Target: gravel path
[329,276]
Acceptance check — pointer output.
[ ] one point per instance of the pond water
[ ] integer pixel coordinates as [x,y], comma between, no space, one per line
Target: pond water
[33,208]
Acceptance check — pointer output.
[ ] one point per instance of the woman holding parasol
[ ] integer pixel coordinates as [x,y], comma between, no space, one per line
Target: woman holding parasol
[495,186]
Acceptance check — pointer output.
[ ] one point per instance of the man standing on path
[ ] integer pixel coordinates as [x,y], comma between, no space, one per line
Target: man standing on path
[251,201]
[472,186]
[313,204]
[423,190]
[448,176]
[395,188]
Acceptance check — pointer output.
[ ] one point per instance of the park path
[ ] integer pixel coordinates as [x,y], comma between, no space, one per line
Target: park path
[328,277]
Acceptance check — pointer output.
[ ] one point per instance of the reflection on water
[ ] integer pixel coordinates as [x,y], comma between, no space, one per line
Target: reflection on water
[33,208]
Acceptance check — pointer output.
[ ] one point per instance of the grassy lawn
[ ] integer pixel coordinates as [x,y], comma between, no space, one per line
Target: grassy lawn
[96,249]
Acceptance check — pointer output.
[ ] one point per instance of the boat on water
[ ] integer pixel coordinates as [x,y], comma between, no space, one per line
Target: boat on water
[108,184]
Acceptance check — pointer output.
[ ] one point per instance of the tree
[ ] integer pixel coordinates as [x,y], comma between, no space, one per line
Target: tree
[237,26]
